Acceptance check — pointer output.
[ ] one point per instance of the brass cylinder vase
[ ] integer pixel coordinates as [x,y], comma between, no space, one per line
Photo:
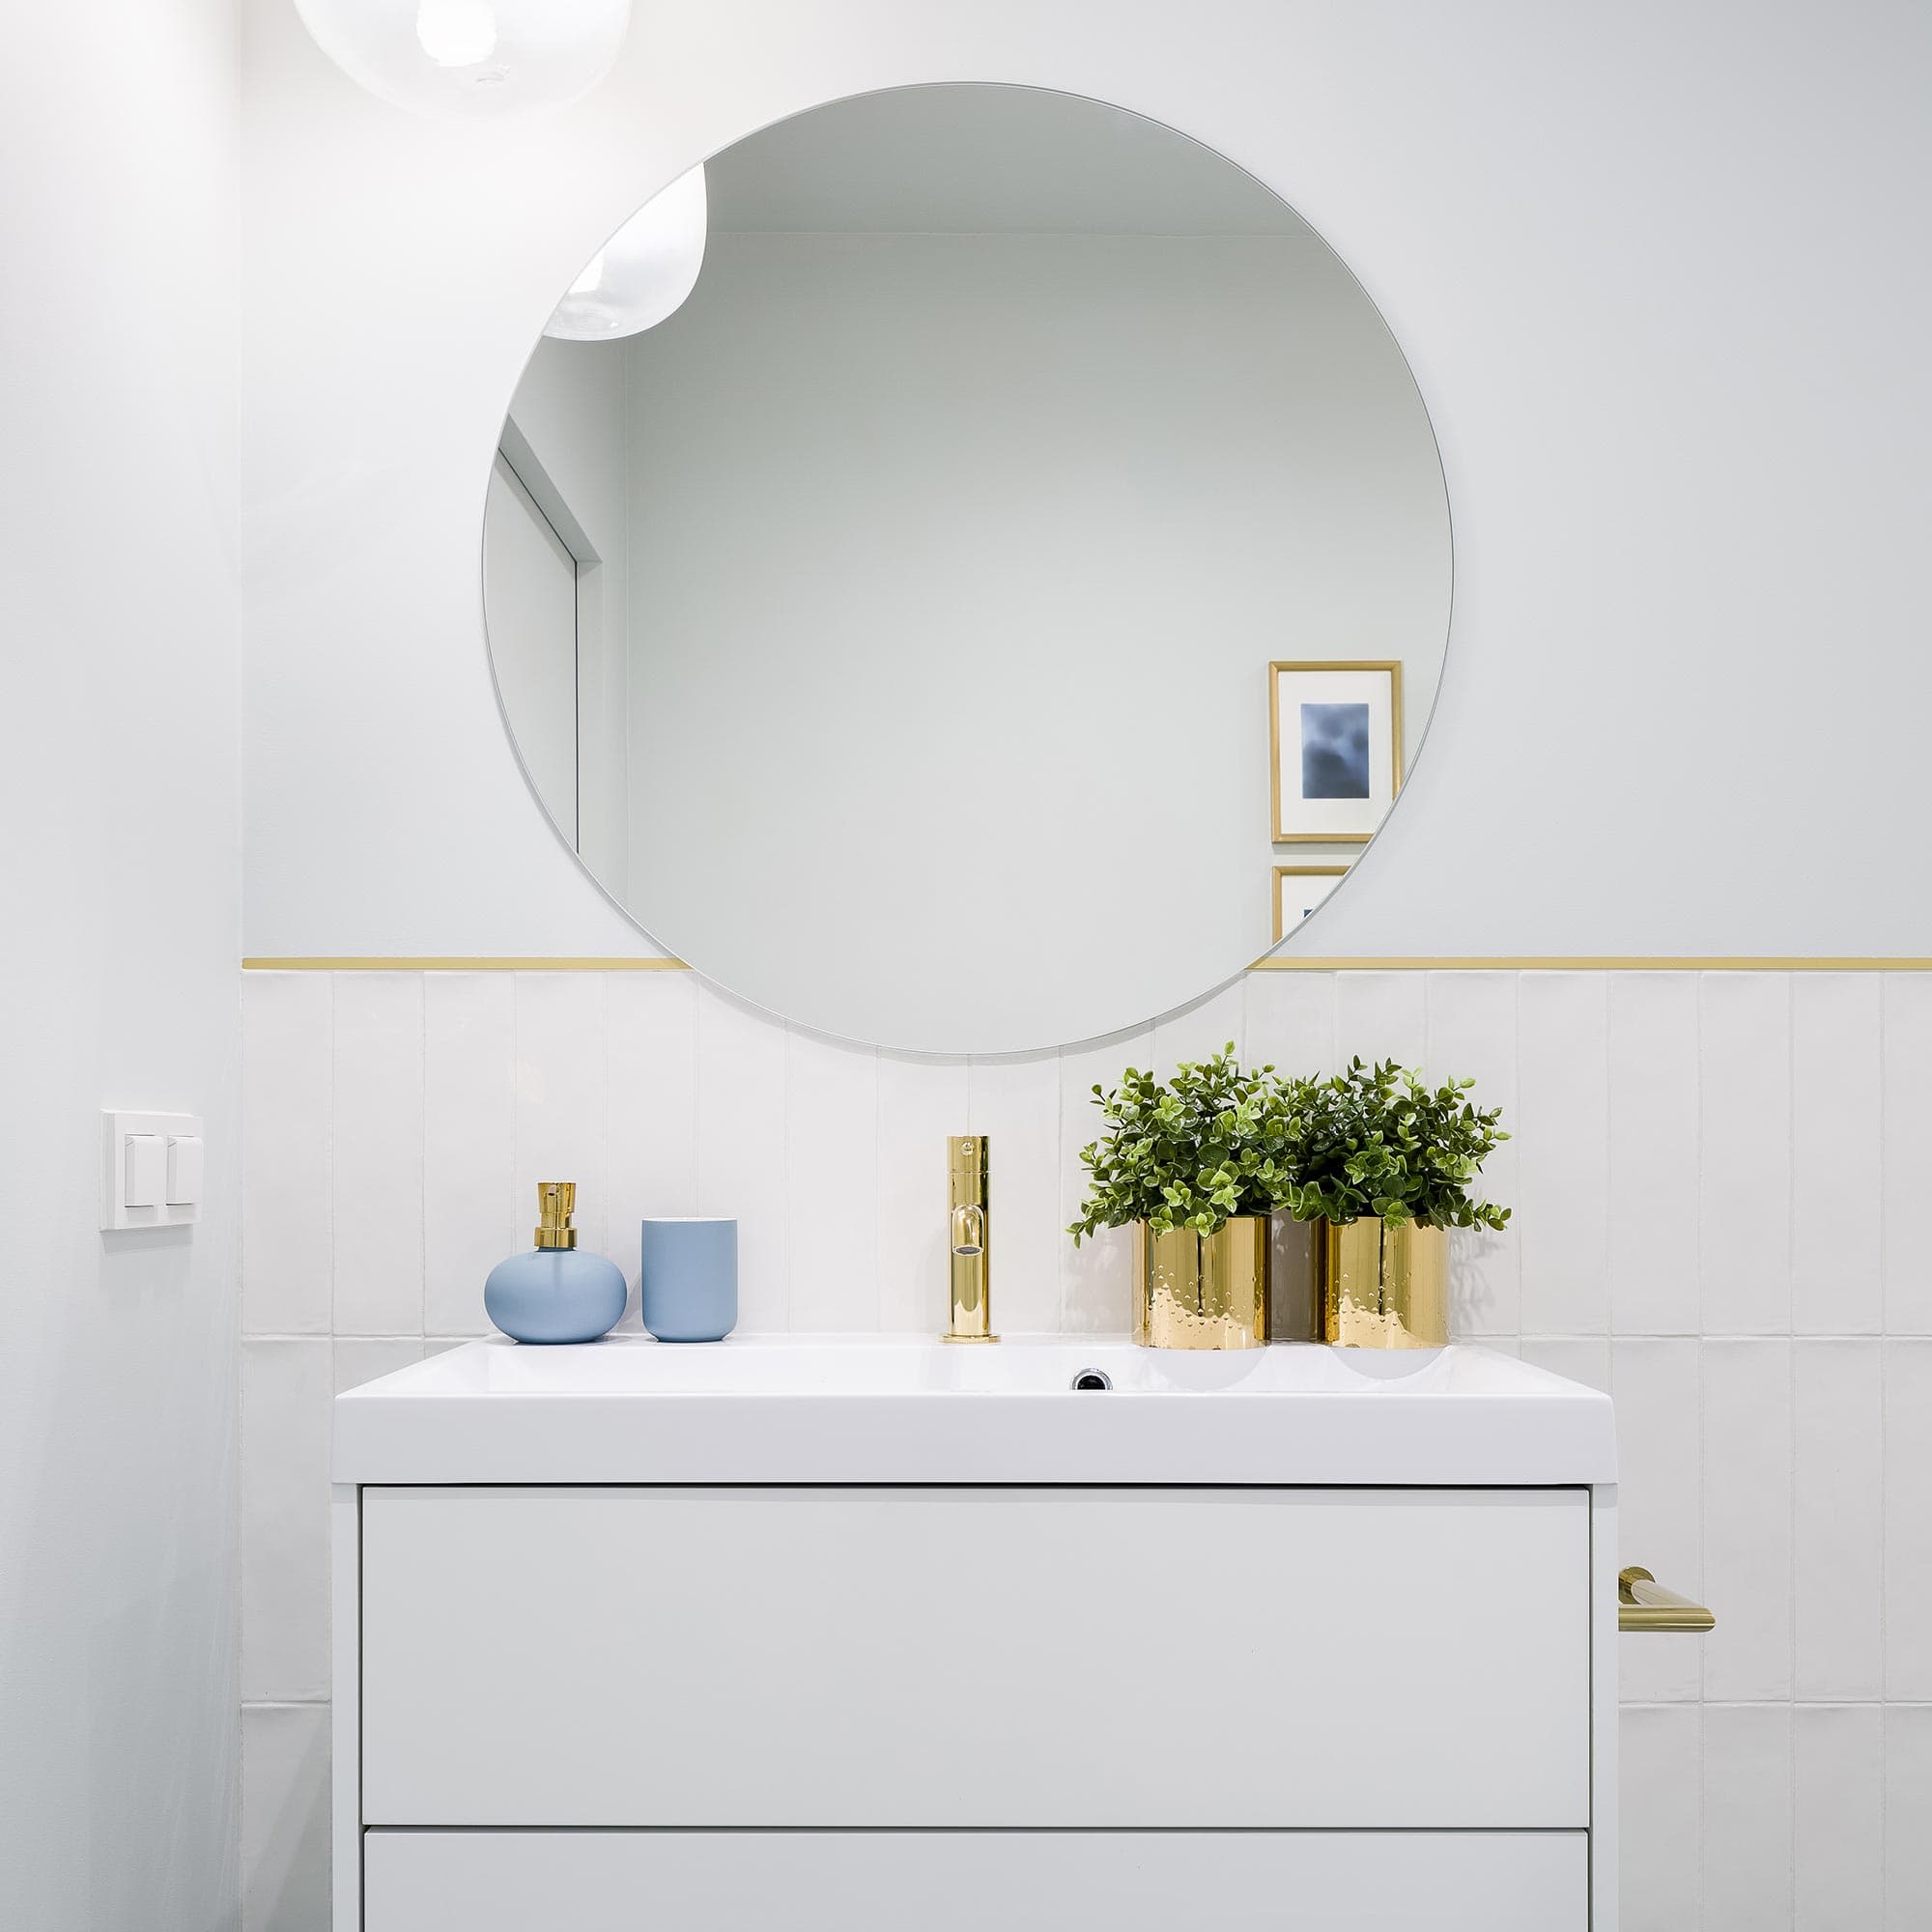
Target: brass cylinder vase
[1197,1291]
[1383,1287]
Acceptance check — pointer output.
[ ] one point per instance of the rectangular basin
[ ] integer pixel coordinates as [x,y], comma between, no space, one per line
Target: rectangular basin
[907,1410]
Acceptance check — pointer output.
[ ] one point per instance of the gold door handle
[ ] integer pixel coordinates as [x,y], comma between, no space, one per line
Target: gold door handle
[1643,1603]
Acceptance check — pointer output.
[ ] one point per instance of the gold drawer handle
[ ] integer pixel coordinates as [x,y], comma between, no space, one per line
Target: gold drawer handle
[1643,1603]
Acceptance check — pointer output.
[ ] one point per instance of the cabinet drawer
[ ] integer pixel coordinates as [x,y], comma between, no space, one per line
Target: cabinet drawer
[966,1881]
[955,1657]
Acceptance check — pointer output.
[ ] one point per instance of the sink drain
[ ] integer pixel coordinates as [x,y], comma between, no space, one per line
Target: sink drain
[1093,1379]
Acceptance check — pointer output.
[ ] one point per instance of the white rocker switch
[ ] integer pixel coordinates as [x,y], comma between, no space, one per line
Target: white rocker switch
[184,1170]
[144,1171]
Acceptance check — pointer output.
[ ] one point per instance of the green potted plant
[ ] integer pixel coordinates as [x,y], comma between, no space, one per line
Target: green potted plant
[1195,1165]
[1385,1162]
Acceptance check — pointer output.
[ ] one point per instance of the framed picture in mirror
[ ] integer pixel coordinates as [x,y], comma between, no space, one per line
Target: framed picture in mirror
[1297,891]
[1335,739]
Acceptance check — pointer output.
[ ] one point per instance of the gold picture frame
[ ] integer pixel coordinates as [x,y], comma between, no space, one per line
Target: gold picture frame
[1286,872]
[1359,834]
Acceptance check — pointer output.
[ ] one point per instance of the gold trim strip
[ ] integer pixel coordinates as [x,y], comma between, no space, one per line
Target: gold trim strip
[1558,962]
[492,965]
[1400,962]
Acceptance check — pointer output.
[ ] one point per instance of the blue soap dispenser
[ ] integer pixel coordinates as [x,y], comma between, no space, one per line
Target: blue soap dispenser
[554,1293]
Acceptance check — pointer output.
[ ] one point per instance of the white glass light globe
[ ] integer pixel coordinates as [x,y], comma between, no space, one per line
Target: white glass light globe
[643,273]
[468,57]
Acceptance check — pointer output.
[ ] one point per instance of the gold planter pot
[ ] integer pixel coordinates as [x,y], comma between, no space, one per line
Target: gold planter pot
[1385,1288]
[1203,1290]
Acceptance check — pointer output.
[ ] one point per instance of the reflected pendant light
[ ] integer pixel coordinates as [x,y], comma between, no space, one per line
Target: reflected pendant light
[469,57]
[643,273]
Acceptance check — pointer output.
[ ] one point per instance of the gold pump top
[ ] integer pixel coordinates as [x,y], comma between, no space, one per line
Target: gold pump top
[557,1203]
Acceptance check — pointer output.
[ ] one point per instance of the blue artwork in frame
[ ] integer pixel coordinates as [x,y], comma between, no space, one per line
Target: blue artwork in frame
[1336,730]
[1334,751]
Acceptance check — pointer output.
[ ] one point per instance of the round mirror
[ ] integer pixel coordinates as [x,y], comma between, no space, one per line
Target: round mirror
[999,600]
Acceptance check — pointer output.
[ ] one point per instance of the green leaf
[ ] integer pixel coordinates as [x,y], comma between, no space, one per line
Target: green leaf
[1218,1140]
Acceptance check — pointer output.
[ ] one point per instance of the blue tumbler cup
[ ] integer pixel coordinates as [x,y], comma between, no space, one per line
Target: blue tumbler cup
[690,1291]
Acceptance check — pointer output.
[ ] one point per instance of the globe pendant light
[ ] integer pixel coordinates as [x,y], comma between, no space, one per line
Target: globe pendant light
[643,273]
[469,57]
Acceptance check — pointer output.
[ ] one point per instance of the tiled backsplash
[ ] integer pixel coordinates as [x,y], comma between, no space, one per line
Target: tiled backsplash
[1721,1184]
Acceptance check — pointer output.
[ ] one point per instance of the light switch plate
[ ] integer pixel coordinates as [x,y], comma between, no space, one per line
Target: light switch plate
[117,1127]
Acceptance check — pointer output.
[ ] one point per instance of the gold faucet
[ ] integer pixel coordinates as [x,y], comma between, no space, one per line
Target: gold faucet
[968,1236]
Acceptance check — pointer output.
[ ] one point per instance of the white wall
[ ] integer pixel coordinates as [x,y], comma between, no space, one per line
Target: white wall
[1652,284]
[120,875]
[1654,274]
[570,416]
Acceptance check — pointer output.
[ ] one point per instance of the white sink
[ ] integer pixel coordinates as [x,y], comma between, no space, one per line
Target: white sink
[894,1410]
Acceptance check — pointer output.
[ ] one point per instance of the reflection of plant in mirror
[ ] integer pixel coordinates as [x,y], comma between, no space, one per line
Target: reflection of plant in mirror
[1188,1153]
[1378,1141]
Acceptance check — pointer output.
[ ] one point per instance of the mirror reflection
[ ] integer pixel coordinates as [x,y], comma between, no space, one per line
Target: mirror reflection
[979,585]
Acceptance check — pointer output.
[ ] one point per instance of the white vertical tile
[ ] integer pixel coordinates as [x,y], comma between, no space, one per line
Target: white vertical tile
[1743,1204]
[474,1215]
[1907,1152]
[1202,1030]
[1017,1105]
[285,1187]
[1472,1037]
[378,1153]
[832,1184]
[1095,1278]
[361,1358]
[285,1818]
[1383,1016]
[1747,1518]
[741,1147]
[1837,1285]
[1837,1839]
[1660,1774]
[1652,1178]
[1908,1519]
[286,1387]
[1562,1176]
[1747,1816]
[1485,1278]
[1838,1519]
[1656,1381]
[1289,1021]
[922,1103]
[650,1023]
[1582,1358]
[1908,1804]
[561,1088]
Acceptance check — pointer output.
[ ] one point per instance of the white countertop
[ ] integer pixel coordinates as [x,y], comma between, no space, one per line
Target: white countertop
[874,1409]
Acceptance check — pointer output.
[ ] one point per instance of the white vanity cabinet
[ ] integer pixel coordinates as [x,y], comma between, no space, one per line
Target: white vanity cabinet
[977,1882]
[898,1691]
